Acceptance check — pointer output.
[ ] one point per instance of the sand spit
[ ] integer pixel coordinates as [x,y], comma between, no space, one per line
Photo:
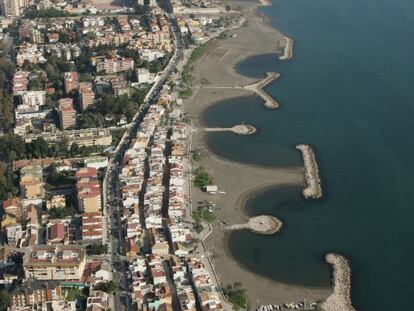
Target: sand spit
[258,88]
[264,224]
[239,129]
[287,50]
[313,181]
[340,299]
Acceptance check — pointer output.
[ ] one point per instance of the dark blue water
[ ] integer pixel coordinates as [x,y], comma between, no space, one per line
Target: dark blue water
[349,91]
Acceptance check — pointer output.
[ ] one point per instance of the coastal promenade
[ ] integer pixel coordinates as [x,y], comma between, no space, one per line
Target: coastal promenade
[263,224]
[239,129]
[313,181]
[340,299]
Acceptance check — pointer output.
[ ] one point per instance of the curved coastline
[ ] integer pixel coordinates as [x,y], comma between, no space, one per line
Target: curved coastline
[218,246]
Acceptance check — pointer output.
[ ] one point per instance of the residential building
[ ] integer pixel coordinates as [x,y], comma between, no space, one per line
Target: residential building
[56,233]
[34,98]
[54,262]
[20,82]
[57,201]
[96,162]
[88,190]
[86,94]
[67,113]
[59,231]
[143,75]
[84,137]
[13,206]
[71,81]
[92,226]
[114,65]
[10,8]
[35,293]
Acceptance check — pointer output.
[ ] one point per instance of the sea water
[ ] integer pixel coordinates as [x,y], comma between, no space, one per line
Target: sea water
[348,92]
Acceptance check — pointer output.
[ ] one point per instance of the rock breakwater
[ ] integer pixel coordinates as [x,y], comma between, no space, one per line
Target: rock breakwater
[340,299]
[240,129]
[313,182]
[263,224]
[288,49]
[258,88]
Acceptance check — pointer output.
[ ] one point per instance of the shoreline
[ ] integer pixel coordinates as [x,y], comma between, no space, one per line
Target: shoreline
[213,73]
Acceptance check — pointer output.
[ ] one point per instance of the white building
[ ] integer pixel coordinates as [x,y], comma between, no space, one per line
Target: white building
[143,75]
[34,98]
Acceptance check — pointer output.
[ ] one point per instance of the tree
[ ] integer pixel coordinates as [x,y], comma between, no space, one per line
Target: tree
[12,142]
[6,110]
[4,300]
[98,249]
[202,178]
[74,149]
[236,295]
[108,287]
[8,182]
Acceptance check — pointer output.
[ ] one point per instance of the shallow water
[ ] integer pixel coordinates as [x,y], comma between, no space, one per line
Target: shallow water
[349,93]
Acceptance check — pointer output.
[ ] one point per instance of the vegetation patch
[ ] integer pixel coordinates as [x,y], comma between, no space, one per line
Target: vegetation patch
[236,295]
[202,178]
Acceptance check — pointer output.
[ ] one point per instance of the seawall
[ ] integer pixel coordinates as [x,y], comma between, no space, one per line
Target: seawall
[340,299]
[313,182]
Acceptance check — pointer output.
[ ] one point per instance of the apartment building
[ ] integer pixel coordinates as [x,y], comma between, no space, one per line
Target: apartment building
[92,226]
[57,201]
[10,8]
[84,137]
[71,80]
[54,262]
[34,98]
[86,94]
[67,113]
[35,293]
[20,82]
[113,65]
[88,190]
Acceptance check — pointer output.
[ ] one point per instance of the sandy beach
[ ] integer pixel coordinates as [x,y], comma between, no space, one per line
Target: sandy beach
[239,181]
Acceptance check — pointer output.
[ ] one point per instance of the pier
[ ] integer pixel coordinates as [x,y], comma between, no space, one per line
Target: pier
[239,129]
[287,50]
[258,88]
[313,182]
[340,299]
[264,224]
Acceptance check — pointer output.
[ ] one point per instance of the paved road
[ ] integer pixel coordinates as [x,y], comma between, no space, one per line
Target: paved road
[113,234]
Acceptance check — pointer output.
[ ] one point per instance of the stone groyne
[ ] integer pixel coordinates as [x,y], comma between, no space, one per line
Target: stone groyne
[287,50]
[240,129]
[313,189]
[263,224]
[257,88]
[340,299]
